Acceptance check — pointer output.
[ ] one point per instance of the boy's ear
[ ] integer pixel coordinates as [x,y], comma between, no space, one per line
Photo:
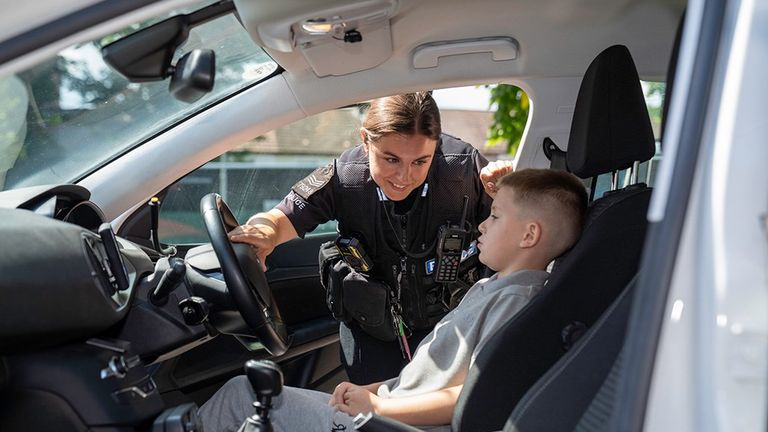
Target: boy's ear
[531,236]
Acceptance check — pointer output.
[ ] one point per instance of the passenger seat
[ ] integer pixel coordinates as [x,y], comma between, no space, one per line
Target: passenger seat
[610,131]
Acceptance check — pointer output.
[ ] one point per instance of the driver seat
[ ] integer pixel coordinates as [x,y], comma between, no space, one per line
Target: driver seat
[609,132]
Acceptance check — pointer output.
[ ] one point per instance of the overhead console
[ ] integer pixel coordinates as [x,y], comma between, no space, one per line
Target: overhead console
[336,38]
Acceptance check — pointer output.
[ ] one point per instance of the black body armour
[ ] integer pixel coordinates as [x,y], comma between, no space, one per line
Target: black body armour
[361,213]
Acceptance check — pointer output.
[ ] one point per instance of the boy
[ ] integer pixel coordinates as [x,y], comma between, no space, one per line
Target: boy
[536,215]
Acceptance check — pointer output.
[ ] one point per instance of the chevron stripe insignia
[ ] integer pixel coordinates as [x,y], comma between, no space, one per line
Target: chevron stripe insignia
[314,181]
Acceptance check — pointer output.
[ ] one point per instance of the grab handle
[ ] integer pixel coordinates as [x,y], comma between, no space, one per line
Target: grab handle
[427,55]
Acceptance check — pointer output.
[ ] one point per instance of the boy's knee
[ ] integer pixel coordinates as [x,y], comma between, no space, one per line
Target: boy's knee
[238,381]
[238,385]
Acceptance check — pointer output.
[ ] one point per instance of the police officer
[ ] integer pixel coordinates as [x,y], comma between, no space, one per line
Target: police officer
[390,196]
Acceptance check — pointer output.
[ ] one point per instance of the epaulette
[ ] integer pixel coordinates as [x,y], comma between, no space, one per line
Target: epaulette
[314,181]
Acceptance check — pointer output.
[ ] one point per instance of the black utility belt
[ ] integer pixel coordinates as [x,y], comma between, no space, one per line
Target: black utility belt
[353,295]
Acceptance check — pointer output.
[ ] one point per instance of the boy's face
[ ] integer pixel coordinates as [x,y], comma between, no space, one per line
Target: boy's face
[502,234]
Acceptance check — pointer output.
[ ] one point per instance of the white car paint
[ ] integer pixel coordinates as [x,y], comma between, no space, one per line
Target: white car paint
[711,366]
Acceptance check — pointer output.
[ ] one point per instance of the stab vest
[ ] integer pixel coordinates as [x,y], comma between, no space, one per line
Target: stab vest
[360,213]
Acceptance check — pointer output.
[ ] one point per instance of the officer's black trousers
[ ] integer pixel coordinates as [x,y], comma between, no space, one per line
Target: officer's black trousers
[367,359]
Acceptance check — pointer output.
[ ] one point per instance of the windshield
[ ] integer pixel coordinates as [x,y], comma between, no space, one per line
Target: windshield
[65,117]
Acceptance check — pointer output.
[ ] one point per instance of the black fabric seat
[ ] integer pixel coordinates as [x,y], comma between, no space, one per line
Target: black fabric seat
[583,286]
[581,384]
[610,131]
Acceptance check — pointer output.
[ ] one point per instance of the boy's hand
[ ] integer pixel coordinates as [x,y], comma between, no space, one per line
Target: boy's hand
[352,399]
[337,397]
[358,400]
[491,173]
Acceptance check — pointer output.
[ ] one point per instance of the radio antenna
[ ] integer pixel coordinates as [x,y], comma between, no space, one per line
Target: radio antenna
[464,212]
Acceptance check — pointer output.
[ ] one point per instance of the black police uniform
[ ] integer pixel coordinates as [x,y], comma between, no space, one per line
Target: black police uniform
[400,239]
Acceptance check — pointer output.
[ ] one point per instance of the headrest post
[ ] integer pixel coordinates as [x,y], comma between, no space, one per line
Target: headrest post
[614,180]
[635,170]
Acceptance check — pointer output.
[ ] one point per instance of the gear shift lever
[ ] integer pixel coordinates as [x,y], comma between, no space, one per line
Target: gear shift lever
[267,381]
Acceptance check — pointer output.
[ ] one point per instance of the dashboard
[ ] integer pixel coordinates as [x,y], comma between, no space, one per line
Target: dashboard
[65,274]
[85,214]
[84,329]
[67,277]
[76,329]
[68,203]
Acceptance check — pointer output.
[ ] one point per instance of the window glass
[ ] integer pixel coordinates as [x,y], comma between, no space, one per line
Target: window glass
[73,112]
[491,118]
[256,176]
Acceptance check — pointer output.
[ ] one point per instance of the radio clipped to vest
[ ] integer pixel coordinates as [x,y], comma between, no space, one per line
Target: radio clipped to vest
[451,241]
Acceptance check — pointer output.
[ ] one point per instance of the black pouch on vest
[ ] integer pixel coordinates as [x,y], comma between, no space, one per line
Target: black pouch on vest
[367,302]
[333,270]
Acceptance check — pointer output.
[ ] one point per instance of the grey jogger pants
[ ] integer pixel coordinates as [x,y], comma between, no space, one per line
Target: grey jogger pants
[295,410]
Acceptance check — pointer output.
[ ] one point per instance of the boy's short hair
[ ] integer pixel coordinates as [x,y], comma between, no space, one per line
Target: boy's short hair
[558,196]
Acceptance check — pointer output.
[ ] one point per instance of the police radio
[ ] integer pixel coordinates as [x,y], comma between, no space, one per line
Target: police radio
[353,253]
[451,240]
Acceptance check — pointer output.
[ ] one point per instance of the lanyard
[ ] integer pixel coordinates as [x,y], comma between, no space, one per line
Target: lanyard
[398,325]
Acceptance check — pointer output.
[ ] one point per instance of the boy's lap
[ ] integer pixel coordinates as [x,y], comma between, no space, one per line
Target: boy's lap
[295,409]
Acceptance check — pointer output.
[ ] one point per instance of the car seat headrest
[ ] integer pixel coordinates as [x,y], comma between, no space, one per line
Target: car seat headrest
[611,128]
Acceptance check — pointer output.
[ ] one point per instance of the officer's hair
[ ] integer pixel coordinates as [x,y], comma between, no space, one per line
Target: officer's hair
[559,195]
[406,114]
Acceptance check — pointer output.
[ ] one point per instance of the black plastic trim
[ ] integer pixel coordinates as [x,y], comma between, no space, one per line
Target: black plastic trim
[65,26]
[663,238]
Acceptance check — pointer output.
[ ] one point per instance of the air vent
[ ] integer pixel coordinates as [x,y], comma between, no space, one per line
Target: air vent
[100,268]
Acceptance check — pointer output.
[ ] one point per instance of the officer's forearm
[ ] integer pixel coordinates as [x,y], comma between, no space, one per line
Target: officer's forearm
[278,221]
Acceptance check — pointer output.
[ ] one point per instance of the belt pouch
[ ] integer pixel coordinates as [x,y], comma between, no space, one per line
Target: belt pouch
[332,272]
[334,294]
[367,302]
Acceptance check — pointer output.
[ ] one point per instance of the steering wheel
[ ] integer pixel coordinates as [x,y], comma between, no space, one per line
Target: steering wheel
[245,279]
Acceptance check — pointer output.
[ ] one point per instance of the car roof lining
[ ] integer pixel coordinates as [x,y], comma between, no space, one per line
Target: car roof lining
[556,37]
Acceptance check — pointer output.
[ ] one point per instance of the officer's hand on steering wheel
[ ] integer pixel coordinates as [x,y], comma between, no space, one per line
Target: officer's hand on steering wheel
[261,236]
[491,173]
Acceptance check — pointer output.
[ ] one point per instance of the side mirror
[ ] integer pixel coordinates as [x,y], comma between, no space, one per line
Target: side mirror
[193,75]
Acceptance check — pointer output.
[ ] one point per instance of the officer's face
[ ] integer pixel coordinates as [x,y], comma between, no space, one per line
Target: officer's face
[400,163]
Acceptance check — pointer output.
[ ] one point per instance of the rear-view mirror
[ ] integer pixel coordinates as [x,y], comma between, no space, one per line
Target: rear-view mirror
[193,75]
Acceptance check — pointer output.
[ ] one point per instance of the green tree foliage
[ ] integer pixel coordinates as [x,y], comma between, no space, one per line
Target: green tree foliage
[654,97]
[510,117]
